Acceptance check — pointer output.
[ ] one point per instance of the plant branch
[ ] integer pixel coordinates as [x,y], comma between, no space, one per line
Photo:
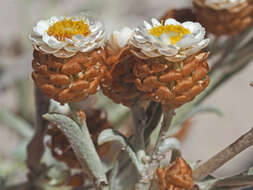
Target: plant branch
[154,113]
[139,119]
[35,148]
[234,182]
[223,156]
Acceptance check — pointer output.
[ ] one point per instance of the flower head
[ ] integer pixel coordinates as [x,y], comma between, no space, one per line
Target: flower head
[122,36]
[171,39]
[65,36]
[223,4]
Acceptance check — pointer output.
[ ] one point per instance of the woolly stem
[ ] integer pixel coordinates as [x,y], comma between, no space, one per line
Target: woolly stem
[166,123]
[139,120]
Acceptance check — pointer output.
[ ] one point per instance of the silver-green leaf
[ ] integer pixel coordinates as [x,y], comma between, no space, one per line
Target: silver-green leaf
[82,145]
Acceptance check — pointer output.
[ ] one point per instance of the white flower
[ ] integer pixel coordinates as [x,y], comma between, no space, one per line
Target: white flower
[119,40]
[122,36]
[171,39]
[65,36]
[223,4]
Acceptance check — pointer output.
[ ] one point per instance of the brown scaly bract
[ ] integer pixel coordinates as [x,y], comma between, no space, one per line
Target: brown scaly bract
[60,147]
[177,176]
[68,79]
[180,15]
[118,82]
[172,83]
[225,21]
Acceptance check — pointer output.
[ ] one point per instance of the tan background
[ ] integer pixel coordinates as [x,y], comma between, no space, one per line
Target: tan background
[209,133]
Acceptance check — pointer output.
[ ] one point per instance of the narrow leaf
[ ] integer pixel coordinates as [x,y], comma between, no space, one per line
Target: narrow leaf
[15,122]
[194,111]
[82,145]
[110,135]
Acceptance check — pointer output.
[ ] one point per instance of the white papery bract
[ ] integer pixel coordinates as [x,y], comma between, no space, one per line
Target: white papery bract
[68,47]
[155,46]
[223,4]
[122,37]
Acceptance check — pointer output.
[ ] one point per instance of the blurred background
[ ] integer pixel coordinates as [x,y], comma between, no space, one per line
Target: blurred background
[207,133]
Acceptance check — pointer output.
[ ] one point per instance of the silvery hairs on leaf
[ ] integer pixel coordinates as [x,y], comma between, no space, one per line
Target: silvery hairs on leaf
[82,145]
[110,135]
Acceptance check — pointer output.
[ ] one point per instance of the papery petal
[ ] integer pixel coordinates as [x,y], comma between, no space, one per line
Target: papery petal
[147,47]
[96,27]
[81,41]
[172,21]
[55,19]
[187,41]
[176,58]
[100,43]
[98,34]
[204,43]
[88,48]
[147,25]
[45,48]
[141,31]
[69,41]
[195,49]
[168,52]
[200,36]
[71,48]
[36,39]
[150,53]
[151,38]
[41,27]
[64,54]
[157,45]
[53,42]
[140,39]
[135,43]
[155,22]
[165,38]
[194,27]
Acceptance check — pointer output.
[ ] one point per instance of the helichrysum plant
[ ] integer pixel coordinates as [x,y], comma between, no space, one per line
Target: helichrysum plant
[154,70]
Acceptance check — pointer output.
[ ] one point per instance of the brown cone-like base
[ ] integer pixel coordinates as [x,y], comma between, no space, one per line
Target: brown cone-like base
[172,84]
[68,80]
[181,15]
[224,22]
[177,176]
[118,83]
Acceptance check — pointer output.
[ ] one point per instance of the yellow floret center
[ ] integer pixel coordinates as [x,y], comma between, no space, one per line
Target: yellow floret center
[67,28]
[176,32]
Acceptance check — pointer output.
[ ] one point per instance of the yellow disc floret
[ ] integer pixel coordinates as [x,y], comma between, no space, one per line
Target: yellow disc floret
[67,28]
[176,32]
